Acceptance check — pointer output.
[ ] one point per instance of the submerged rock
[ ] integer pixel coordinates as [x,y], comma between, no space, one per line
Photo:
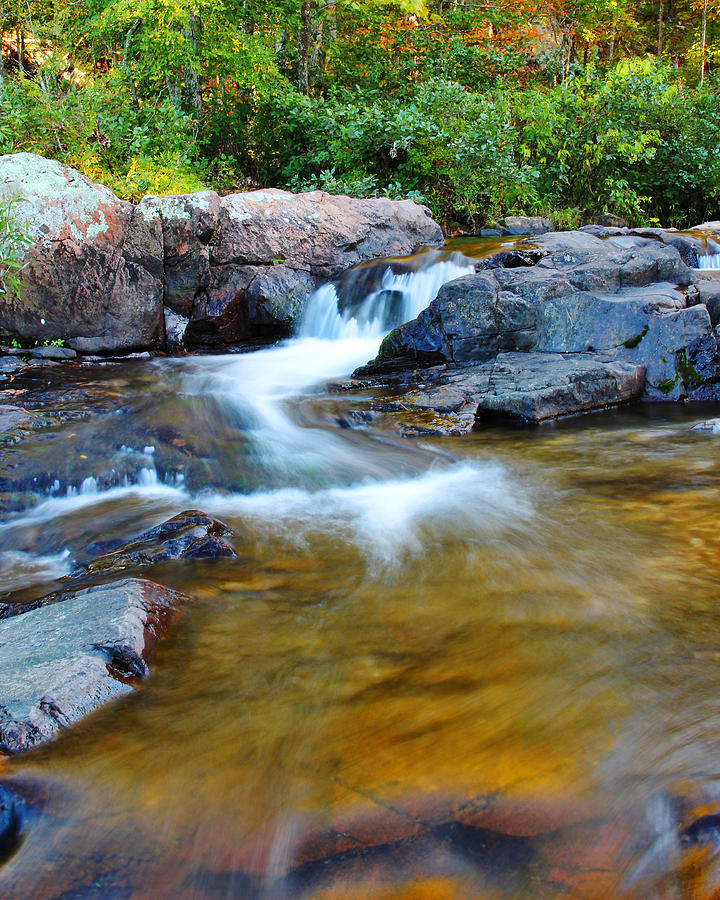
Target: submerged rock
[189,535]
[74,652]
[12,417]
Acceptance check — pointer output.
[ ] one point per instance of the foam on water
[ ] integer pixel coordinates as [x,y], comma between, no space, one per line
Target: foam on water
[388,519]
[710,260]
[19,569]
[401,297]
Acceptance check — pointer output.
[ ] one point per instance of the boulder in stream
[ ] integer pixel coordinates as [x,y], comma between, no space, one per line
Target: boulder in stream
[100,271]
[189,535]
[76,651]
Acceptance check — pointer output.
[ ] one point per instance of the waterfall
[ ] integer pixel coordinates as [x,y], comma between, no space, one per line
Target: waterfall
[710,260]
[400,297]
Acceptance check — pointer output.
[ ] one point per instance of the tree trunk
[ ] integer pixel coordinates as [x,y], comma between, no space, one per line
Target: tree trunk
[704,42]
[280,48]
[192,79]
[304,48]
[173,90]
[660,27]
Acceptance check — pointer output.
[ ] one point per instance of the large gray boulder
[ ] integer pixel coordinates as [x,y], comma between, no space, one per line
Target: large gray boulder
[100,271]
[75,652]
[93,275]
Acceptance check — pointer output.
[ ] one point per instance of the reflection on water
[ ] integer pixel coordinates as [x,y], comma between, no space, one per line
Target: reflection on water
[473,667]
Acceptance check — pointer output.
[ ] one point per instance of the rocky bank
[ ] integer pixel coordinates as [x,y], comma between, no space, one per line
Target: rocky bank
[105,275]
[561,324]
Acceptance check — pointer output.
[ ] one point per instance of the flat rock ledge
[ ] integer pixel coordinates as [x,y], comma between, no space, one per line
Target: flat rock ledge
[566,323]
[74,652]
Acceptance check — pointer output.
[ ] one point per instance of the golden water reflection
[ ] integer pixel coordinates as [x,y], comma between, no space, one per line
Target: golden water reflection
[532,713]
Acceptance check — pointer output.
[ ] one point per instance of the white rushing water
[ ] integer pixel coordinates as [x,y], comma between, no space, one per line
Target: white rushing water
[711,259]
[263,386]
[329,482]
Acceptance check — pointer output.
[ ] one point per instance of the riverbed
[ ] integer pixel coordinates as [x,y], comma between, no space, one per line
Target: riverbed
[444,667]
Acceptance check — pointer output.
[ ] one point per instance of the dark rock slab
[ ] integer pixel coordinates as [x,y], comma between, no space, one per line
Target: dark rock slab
[708,293]
[584,320]
[65,659]
[533,387]
[50,352]
[189,535]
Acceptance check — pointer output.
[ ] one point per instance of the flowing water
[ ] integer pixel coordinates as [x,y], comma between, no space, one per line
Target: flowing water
[482,666]
[711,259]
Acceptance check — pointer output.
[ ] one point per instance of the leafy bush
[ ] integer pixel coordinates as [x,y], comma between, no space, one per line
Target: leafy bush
[13,240]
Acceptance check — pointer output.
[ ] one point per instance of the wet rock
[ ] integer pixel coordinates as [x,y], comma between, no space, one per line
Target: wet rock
[625,299]
[534,387]
[94,273]
[517,225]
[470,320]
[248,302]
[709,426]
[73,654]
[13,416]
[189,535]
[13,812]
[175,328]
[708,293]
[51,352]
[513,259]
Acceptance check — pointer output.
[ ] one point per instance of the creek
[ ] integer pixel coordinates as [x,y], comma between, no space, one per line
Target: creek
[446,667]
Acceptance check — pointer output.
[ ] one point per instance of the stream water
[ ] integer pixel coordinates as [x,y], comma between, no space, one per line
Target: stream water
[451,667]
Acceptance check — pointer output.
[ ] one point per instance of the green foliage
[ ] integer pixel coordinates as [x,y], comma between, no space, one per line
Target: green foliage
[461,106]
[97,130]
[13,240]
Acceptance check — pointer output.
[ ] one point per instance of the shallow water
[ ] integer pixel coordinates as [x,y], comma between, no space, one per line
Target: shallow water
[481,666]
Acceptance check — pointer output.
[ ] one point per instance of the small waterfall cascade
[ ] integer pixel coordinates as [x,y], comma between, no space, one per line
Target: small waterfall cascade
[711,259]
[400,297]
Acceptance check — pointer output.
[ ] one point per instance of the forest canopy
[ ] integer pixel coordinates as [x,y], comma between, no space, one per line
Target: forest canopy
[478,108]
